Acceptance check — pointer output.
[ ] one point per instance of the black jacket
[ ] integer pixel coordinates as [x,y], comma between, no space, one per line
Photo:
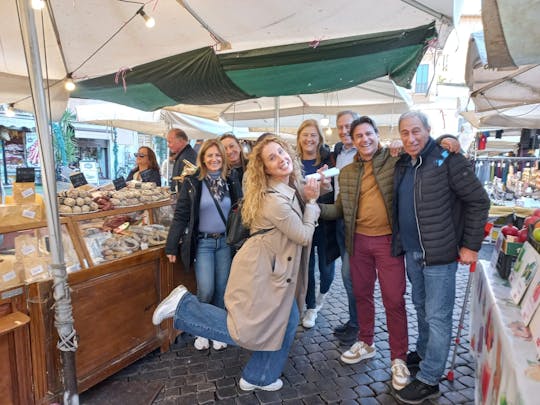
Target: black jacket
[149,175]
[451,205]
[184,228]
[328,227]
[189,154]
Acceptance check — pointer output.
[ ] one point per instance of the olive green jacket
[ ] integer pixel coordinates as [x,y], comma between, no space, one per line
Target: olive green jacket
[350,179]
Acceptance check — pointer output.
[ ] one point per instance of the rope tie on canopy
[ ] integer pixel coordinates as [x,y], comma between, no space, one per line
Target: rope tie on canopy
[63,315]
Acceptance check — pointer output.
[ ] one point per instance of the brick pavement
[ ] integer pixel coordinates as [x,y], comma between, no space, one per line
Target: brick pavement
[313,375]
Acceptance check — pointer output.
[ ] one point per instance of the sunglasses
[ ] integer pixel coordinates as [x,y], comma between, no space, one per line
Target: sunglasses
[139,155]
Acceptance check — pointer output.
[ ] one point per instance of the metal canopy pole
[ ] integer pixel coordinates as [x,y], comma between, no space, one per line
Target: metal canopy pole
[67,343]
[277,126]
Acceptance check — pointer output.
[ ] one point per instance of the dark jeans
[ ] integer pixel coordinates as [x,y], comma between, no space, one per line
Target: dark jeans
[326,270]
[346,273]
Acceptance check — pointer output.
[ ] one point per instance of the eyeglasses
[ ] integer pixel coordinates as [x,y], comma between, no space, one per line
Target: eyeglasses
[139,155]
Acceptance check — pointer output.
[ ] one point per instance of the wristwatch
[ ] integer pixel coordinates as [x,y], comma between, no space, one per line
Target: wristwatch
[312,201]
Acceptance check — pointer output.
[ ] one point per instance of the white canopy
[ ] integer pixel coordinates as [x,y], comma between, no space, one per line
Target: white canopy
[76,32]
[503,98]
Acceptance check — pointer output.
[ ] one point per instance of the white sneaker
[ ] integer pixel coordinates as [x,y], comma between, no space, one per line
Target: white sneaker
[201,343]
[167,307]
[358,352]
[245,386]
[218,345]
[319,301]
[400,374]
[308,321]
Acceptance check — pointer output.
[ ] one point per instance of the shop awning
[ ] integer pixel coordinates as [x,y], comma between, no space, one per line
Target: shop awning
[17,124]
[512,32]
[505,97]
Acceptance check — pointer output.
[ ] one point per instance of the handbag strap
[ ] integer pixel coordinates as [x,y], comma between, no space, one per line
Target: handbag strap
[218,206]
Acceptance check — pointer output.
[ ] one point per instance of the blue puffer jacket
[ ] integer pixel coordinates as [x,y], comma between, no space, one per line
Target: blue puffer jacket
[451,205]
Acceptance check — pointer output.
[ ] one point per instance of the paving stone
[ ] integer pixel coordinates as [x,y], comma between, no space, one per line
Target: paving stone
[313,374]
[364,391]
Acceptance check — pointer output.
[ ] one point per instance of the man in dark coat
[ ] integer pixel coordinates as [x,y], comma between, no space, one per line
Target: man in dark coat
[178,142]
[440,209]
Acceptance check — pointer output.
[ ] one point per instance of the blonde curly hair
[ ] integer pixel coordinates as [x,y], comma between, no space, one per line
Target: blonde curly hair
[256,179]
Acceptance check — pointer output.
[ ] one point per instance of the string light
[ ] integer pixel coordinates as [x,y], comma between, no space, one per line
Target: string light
[148,21]
[328,131]
[69,84]
[38,4]
[324,122]
[10,111]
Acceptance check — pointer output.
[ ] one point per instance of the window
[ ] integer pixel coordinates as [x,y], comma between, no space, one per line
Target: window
[421,85]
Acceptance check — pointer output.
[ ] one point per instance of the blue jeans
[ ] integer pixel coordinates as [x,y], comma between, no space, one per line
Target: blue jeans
[212,268]
[205,320]
[433,296]
[326,271]
[346,273]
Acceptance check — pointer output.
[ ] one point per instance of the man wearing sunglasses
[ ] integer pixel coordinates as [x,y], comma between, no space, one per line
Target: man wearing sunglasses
[178,143]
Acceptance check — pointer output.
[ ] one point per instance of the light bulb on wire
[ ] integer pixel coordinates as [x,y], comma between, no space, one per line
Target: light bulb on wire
[328,131]
[324,122]
[148,21]
[38,4]
[69,84]
[10,111]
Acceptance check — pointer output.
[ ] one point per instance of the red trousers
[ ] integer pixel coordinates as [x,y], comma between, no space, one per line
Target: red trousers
[371,258]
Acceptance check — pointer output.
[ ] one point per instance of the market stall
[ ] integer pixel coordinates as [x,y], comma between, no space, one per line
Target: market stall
[117,272]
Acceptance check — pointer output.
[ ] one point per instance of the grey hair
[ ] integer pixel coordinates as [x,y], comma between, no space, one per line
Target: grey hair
[353,114]
[415,114]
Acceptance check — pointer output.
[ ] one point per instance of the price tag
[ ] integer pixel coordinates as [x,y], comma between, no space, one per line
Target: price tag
[27,193]
[78,179]
[25,175]
[28,249]
[36,270]
[29,214]
[119,183]
[144,245]
[8,276]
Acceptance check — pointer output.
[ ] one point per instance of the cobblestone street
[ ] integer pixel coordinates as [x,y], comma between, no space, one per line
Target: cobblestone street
[313,375]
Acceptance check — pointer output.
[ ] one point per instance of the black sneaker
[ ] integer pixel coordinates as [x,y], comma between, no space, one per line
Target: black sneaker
[338,330]
[417,392]
[413,359]
[348,337]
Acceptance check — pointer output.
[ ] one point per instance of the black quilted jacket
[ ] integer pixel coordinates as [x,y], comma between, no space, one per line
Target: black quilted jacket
[451,206]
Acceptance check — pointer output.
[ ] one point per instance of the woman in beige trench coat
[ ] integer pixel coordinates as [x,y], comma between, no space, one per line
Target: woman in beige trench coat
[267,273]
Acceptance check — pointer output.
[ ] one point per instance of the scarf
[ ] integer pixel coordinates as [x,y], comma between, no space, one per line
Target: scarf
[216,185]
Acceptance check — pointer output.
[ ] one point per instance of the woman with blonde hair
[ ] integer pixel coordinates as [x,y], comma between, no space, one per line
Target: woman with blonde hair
[200,219]
[315,156]
[267,273]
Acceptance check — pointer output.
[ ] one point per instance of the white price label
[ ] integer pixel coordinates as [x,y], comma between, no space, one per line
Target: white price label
[29,214]
[36,270]
[8,276]
[27,193]
[144,246]
[28,249]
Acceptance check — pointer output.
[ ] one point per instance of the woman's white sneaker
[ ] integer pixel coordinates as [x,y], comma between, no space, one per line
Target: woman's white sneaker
[310,316]
[201,343]
[167,308]
[245,386]
[400,374]
[218,345]
[358,352]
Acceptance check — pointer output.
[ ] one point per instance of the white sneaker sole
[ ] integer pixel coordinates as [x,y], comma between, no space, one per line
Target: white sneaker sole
[350,360]
[245,386]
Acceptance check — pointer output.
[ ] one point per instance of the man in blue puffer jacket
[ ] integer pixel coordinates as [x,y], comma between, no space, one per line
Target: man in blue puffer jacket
[440,209]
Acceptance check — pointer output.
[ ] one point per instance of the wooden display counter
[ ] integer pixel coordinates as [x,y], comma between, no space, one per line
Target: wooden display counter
[113,302]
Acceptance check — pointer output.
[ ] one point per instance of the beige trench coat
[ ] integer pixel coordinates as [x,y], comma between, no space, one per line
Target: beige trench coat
[270,271]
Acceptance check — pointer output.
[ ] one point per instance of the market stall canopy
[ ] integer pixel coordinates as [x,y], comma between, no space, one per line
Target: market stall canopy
[92,38]
[504,98]
[512,32]
[379,98]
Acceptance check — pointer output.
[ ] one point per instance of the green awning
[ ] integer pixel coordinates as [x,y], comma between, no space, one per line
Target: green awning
[201,77]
